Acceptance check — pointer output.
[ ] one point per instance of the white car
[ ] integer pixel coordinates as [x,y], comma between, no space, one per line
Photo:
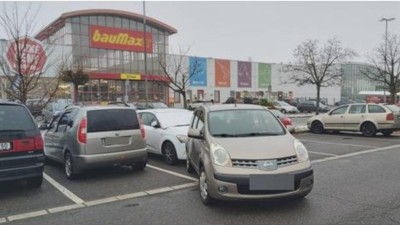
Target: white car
[284,107]
[166,132]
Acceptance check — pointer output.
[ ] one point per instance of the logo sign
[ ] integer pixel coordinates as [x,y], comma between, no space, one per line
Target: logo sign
[127,76]
[268,165]
[33,56]
[119,39]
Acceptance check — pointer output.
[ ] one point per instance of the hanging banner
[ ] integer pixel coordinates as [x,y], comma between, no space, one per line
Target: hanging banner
[198,67]
[264,75]
[244,74]
[222,73]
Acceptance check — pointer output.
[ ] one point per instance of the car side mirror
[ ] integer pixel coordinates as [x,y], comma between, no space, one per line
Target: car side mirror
[44,126]
[193,133]
[155,124]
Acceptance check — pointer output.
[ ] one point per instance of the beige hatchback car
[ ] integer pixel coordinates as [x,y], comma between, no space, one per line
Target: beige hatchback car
[244,152]
[368,119]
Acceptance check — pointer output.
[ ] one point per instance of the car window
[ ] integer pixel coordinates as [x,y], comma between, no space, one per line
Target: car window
[376,109]
[340,110]
[244,122]
[148,118]
[195,119]
[200,124]
[111,120]
[62,123]
[53,123]
[357,109]
[15,117]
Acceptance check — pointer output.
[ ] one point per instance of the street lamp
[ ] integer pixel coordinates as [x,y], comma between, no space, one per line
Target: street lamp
[386,32]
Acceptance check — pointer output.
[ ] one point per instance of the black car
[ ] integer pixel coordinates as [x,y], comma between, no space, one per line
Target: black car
[21,145]
[311,106]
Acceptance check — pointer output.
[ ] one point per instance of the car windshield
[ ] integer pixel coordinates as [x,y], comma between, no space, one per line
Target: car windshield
[243,123]
[15,117]
[174,118]
[112,120]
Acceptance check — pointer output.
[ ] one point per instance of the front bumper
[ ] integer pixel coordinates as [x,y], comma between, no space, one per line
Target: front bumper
[238,186]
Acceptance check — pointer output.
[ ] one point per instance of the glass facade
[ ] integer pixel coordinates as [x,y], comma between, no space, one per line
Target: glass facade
[353,81]
[76,35]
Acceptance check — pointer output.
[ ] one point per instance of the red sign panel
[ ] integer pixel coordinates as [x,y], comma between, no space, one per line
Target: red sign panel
[33,56]
[119,39]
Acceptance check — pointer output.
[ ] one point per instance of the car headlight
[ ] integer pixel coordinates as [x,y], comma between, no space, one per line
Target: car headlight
[182,138]
[301,151]
[220,156]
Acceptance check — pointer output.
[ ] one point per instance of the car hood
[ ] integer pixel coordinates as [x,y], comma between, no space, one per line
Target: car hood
[178,130]
[260,147]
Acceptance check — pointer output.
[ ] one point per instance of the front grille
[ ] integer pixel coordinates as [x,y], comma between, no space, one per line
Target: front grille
[252,164]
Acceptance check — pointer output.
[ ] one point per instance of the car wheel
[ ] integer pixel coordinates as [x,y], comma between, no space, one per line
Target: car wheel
[70,170]
[317,127]
[139,165]
[203,186]
[169,153]
[35,182]
[387,133]
[368,129]
[189,167]
[283,111]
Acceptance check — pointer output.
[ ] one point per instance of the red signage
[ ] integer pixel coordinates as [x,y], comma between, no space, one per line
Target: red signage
[119,39]
[32,54]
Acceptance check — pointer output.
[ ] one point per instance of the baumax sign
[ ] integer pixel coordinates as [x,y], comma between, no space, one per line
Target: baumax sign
[119,39]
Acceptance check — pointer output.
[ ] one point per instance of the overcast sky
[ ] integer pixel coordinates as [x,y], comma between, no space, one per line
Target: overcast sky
[260,31]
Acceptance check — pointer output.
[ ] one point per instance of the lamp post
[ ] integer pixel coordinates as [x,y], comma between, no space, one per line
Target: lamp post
[385,57]
[145,54]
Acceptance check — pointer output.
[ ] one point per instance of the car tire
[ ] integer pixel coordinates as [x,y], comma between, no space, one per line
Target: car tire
[34,182]
[169,153]
[139,166]
[317,127]
[387,133]
[189,166]
[283,111]
[203,188]
[69,167]
[368,129]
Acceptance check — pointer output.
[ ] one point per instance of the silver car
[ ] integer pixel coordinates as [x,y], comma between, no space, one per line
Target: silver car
[96,136]
[244,152]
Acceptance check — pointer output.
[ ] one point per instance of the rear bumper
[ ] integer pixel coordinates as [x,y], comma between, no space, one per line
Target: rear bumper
[109,159]
[21,167]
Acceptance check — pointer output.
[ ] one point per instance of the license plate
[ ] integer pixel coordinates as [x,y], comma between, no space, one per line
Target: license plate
[278,182]
[5,146]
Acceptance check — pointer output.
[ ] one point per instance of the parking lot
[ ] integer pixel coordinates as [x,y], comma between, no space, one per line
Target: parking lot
[107,185]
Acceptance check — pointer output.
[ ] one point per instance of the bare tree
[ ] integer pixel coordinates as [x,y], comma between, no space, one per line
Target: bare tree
[385,66]
[23,75]
[319,66]
[75,74]
[179,73]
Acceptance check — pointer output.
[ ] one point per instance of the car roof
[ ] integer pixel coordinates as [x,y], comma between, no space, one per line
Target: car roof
[219,107]
[8,102]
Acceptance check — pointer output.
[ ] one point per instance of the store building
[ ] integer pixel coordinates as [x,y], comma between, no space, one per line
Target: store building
[111,46]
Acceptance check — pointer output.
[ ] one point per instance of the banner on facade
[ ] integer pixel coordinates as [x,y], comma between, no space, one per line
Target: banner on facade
[222,73]
[244,74]
[198,67]
[120,39]
[264,75]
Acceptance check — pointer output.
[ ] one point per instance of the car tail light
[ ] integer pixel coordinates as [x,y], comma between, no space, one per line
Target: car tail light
[24,145]
[141,127]
[390,116]
[38,142]
[82,131]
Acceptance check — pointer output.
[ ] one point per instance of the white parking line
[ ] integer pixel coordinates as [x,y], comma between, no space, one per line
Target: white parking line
[27,215]
[3,220]
[321,153]
[356,153]
[335,143]
[159,190]
[133,195]
[63,190]
[173,173]
[65,208]
[101,201]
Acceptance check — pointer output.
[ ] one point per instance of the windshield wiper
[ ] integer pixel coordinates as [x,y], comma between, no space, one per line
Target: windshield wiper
[259,134]
[225,135]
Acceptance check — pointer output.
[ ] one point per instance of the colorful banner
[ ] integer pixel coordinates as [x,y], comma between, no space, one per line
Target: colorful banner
[264,75]
[198,67]
[244,74]
[119,39]
[222,73]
